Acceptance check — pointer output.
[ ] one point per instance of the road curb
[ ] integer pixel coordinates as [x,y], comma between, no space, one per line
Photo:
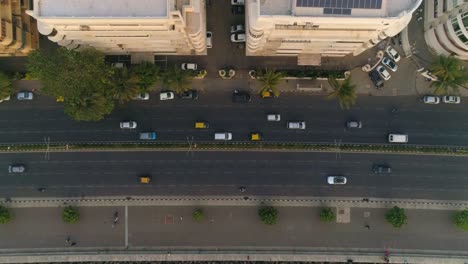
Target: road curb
[236,201]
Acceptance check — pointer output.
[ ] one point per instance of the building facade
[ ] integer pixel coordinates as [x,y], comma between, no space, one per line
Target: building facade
[18,31]
[123,27]
[311,29]
[446,27]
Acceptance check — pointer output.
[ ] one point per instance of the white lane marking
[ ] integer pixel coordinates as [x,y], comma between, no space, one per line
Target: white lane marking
[126,226]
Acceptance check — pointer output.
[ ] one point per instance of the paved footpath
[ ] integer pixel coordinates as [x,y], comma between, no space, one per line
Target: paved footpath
[229,233]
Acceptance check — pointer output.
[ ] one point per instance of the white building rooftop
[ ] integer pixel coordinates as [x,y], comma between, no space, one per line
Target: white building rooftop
[339,8]
[102,8]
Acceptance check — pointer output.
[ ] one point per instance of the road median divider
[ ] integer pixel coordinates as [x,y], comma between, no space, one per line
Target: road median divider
[226,146]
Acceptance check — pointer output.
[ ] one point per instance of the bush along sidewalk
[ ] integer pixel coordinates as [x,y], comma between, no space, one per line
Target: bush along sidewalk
[266,146]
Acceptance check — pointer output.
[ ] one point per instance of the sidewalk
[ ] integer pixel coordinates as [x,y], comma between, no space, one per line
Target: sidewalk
[229,233]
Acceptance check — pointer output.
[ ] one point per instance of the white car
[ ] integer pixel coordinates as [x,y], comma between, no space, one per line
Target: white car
[238,37]
[430,99]
[337,180]
[451,99]
[128,125]
[189,66]
[166,96]
[390,64]
[383,73]
[5,99]
[274,117]
[296,125]
[141,96]
[24,96]
[393,53]
[237,2]
[237,28]
[209,39]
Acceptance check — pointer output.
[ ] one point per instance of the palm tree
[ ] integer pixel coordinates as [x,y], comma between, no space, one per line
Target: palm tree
[177,80]
[450,74]
[270,80]
[124,85]
[345,91]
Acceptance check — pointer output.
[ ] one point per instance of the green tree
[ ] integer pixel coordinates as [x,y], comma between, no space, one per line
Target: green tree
[344,91]
[177,80]
[327,215]
[70,215]
[450,75]
[461,219]
[396,217]
[198,215]
[147,74]
[5,215]
[6,88]
[124,85]
[270,80]
[78,77]
[268,215]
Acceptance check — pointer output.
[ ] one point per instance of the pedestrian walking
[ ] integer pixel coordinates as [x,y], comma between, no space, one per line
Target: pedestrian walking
[368,227]
[67,240]
[73,244]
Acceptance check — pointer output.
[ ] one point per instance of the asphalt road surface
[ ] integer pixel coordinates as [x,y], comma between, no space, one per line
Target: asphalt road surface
[31,122]
[222,173]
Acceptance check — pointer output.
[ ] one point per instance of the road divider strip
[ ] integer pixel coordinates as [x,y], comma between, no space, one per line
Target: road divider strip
[236,146]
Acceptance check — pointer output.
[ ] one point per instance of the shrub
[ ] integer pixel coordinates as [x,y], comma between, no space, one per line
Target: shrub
[327,215]
[5,215]
[268,215]
[396,217]
[70,215]
[461,219]
[198,215]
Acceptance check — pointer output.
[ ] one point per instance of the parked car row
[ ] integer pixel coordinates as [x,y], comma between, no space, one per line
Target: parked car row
[448,99]
[381,74]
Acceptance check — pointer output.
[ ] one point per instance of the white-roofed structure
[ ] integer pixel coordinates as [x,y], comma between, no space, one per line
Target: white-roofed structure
[166,27]
[318,28]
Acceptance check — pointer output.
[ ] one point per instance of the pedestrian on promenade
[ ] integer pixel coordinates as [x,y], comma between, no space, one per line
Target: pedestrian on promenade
[368,227]
[73,244]
[67,240]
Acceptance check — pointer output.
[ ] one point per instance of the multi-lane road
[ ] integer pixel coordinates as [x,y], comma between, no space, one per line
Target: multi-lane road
[22,122]
[222,173]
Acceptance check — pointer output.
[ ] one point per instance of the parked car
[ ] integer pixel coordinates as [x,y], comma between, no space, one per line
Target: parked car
[128,125]
[166,96]
[238,37]
[430,99]
[237,2]
[274,117]
[16,168]
[390,64]
[237,28]
[141,96]
[376,79]
[381,169]
[191,95]
[5,99]
[237,9]
[354,124]
[189,66]
[337,180]
[241,97]
[451,99]
[393,53]
[296,125]
[383,73]
[24,96]
[148,135]
[209,39]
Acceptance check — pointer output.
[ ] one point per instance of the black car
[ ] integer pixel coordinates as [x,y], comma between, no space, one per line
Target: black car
[241,97]
[376,79]
[381,169]
[237,9]
[191,95]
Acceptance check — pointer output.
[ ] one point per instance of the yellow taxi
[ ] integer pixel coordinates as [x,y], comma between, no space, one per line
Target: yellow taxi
[256,136]
[145,179]
[201,125]
[60,99]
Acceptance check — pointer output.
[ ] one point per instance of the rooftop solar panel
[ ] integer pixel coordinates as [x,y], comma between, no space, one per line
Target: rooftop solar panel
[361,4]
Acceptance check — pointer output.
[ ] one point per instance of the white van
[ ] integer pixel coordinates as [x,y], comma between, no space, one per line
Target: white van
[223,136]
[297,125]
[274,117]
[397,138]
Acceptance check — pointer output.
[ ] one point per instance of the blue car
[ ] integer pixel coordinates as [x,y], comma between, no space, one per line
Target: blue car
[148,135]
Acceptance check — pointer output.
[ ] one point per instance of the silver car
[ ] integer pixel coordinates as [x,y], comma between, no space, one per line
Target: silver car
[24,96]
[354,124]
[16,168]
[337,180]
